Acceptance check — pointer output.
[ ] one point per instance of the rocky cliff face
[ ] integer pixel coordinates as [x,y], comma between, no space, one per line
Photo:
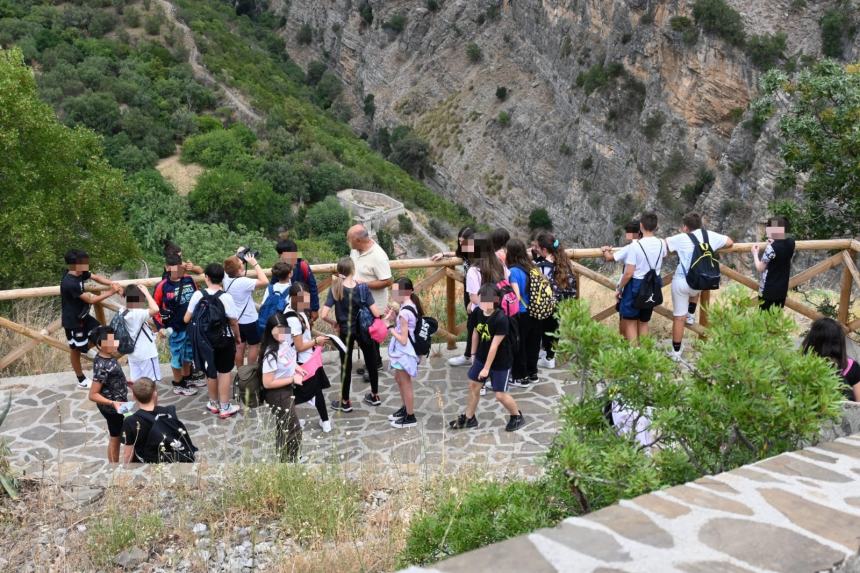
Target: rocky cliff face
[610,111]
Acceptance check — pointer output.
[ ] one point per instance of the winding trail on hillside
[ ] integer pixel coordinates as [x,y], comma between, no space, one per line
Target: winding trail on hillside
[235,99]
[428,236]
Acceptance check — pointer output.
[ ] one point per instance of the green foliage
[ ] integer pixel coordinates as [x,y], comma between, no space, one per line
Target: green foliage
[767,50]
[599,76]
[224,195]
[501,93]
[232,147]
[305,35]
[432,5]
[328,221]
[315,71]
[751,394]
[386,242]
[474,53]
[818,143]
[58,189]
[287,178]
[410,152]
[652,126]
[692,191]
[406,226]
[328,89]
[397,23]
[365,10]
[131,17]
[684,26]
[587,163]
[540,219]
[717,17]
[152,24]
[369,105]
[836,25]
[120,530]
[7,480]
[483,513]
[154,210]
[504,118]
[213,242]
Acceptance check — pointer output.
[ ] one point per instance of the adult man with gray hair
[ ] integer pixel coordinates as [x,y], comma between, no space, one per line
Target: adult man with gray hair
[371,267]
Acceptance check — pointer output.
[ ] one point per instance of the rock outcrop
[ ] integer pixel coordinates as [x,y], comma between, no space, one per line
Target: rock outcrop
[608,111]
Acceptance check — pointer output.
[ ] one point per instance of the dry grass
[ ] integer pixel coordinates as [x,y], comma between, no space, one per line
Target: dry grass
[183,176]
[36,313]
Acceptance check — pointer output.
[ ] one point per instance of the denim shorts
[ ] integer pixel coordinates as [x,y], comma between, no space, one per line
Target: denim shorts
[180,349]
[498,378]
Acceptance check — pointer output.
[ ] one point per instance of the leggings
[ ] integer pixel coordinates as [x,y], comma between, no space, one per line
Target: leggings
[313,389]
[550,325]
[470,328]
[288,430]
[526,356]
[369,350]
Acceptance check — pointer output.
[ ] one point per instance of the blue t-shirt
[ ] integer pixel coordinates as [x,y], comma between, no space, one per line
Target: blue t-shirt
[521,279]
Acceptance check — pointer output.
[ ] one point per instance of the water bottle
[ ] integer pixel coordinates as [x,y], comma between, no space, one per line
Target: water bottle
[168,331]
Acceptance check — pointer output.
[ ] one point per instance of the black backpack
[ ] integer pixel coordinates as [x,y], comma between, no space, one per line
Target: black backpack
[422,336]
[650,292]
[210,319]
[168,440]
[704,271]
[121,333]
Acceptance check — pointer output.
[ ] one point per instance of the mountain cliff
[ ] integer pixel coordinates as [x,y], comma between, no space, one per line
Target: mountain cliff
[594,109]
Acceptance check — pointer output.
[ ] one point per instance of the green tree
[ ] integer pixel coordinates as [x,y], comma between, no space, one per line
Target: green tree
[224,195]
[767,50]
[473,52]
[58,190]
[329,221]
[717,17]
[386,242]
[411,153]
[835,26]
[316,69]
[540,219]
[154,211]
[819,145]
[328,89]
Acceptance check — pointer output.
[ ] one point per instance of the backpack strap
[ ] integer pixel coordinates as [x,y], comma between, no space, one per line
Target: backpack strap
[414,312]
[246,303]
[848,364]
[705,240]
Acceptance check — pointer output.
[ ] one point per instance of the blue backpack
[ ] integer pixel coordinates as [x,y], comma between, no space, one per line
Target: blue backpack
[275,302]
[365,317]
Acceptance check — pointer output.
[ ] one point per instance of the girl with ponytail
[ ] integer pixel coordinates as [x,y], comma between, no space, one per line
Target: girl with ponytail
[404,360]
[555,265]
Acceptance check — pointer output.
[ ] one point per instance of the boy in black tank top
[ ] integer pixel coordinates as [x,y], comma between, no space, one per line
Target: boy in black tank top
[774,264]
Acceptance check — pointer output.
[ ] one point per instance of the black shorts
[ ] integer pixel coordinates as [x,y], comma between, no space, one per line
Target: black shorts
[114,420]
[765,303]
[225,359]
[79,337]
[249,334]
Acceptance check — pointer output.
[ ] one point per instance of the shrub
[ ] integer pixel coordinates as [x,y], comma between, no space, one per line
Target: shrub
[717,17]
[540,219]
[437,228]
[397,23]
[501,93]
[750,394]
[566,47]
[587,163]
[692,191]
[328,221]
[482,513]
[285,178]
[504,119]
[119,530]
[685,27]
[473,52]
[767,50]
[406,226]
[315,71]
[565,149]
[432,5]
[328,89]
[369,105]
[220,147]
[131,17]
[599,76]
[224,195]
[305,35]
[365,10]
[835,26]
[8,483]
[152,24]
[411,153]
[652,126]
[386,242]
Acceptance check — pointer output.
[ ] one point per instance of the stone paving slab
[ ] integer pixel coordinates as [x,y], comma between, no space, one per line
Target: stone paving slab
[52,421]
[796,512]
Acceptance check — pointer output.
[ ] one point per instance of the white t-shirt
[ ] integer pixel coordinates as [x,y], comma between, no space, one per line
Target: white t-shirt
[655,251]
[283,363]
[241,289]
[227,300]
[278,288]
[682,245]
[620,255]
[135,322]
[372,265]
[295,324]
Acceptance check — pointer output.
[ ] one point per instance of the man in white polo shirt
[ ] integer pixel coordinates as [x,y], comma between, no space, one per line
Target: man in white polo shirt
[371,267]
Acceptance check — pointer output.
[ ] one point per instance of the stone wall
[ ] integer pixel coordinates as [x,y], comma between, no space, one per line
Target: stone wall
[369,208]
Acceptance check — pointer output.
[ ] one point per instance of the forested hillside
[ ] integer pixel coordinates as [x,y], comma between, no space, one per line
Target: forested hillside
[123,71]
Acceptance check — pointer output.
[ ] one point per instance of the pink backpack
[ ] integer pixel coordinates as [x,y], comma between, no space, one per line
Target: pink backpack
[509,302]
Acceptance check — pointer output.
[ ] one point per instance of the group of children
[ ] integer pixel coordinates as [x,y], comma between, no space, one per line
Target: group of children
[509,333]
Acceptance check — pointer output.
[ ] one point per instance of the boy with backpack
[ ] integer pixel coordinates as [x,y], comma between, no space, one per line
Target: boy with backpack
[775,264]
[288,252]
[214,331]
[75,307]
[639,289]
[493,360]
[172,296]
[143,355]
[154,434]
[276,297]
[697,270]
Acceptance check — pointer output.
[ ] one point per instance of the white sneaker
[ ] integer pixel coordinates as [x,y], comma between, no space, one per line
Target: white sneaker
[542,354]
[325,426]
[231,410]
[85,383]
[676,354]
[546,363]
[459,361]
[691,318]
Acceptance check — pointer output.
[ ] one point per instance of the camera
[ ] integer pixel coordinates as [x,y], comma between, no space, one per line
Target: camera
[244,252]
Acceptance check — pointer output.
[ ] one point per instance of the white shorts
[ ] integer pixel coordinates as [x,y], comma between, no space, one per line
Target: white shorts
[149,368]
[681,295]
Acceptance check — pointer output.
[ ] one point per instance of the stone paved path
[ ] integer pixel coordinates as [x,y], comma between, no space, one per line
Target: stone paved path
[796,512]
[51,420]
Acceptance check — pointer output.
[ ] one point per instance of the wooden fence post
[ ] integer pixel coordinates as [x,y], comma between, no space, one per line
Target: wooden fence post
[100,313]
[451,309]
[845,292]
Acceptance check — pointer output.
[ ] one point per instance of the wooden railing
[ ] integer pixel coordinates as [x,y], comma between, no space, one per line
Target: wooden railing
[839,252]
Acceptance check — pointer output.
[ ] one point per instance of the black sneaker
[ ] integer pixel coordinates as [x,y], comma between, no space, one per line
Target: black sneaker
[407,421]
[342,405]
[398,414]
[372,399]
[463,422]
[520,382]
[198,375]
[515,423]
[533,378]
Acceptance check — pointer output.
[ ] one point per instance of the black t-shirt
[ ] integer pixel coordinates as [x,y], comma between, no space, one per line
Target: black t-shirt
[346,309]
[497,324]
[778,270]
[73,309]
[850,377]
[109,374]
[135,432]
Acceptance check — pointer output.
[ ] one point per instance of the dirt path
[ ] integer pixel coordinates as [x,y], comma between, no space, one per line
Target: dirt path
[422,230]
[234,99]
